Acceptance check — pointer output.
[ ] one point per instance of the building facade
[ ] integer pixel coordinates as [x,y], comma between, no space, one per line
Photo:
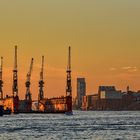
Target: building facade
[109,92]
[81,91]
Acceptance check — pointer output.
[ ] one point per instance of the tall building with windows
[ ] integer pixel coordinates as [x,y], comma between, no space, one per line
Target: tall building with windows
[81,91]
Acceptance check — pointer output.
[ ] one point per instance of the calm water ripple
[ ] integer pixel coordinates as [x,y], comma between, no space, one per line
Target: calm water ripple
[96,125]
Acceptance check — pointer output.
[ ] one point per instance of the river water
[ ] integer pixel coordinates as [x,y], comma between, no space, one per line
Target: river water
[94,125]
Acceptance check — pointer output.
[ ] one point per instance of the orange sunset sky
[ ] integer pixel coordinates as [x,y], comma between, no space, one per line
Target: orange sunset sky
[104,36]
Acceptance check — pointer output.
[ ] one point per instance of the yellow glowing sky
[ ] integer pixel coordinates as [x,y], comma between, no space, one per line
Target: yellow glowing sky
[104,36]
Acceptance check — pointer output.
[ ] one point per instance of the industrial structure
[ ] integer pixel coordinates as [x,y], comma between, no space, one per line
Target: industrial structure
[58,104]
[28,82]
[12,102]
[44,105]
[1,80]
[15,75]
[26,104]
[41,81]
[69,86]
[108,98]
[1,90]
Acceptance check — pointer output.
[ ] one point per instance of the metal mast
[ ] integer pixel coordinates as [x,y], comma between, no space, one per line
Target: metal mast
[1,80]
[15,75]
[69,87]
[28,83]
[41,81]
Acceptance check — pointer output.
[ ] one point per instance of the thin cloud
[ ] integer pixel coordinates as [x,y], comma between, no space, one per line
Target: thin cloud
[112,69]
[130,69]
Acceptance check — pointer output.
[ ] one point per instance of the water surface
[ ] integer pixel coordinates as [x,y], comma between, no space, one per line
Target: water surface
[96,125]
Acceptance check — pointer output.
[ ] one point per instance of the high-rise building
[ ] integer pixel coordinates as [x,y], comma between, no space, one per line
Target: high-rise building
[81,91]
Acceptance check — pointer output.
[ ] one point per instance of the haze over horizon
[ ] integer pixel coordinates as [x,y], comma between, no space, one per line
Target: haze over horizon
[104,36]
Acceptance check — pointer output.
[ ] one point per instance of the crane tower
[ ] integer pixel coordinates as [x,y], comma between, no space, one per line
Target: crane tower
[1,80]
[41,81]
[28,83]
[68,86]
[15,75]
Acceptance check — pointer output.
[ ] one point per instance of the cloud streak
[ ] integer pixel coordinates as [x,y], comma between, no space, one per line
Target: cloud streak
[130,69]
[126,69]
[113,69]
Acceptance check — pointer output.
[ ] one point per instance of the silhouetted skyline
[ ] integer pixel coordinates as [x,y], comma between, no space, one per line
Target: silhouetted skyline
[104,37]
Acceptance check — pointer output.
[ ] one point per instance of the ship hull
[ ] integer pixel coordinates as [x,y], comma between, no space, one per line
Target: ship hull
[1,110]
[11,104]
[56,105]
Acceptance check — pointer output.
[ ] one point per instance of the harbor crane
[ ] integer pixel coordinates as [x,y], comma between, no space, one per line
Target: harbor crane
[28,83]
[15,75]
[41,81]
[1,80]
[69,86]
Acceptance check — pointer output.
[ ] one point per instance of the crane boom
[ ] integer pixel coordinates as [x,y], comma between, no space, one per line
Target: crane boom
[30,70]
